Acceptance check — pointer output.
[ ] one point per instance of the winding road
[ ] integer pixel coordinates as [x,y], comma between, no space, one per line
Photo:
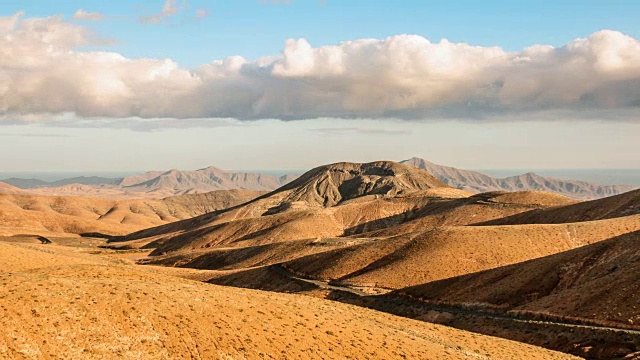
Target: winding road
[448,308]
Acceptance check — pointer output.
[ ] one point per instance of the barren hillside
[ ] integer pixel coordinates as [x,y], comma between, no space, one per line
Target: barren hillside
[59,302]
[47,215]
[597,281]
[624,204]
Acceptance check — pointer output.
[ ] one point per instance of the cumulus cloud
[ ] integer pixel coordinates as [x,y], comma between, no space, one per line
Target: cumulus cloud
[43,73]
[81,14]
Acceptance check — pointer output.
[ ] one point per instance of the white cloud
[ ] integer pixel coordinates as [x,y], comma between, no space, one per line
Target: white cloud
[81,14]
[169,8]
[42,72]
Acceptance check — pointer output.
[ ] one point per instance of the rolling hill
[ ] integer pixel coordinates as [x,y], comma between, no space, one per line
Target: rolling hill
[596,282]
[62,302]
[65,216]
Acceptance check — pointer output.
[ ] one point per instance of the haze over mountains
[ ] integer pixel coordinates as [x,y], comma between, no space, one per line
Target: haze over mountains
[154,184]
[159,184]
[477,182]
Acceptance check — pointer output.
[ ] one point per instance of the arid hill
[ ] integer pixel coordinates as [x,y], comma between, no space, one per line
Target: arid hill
[9,189]
[614,206]
[598,281]
[445,252]
[62,302]
[478,183]
[63,216]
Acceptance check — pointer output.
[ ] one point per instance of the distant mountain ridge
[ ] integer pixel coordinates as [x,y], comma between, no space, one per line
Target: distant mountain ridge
[154,184]
[207,179]
[159,184]
[37,183]
[477,182]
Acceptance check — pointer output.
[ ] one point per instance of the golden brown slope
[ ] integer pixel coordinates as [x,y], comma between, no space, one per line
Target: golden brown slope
[464,211]
[420,257]
[596,282]
[43,215]
[615,206]
[9,189]
[86,309]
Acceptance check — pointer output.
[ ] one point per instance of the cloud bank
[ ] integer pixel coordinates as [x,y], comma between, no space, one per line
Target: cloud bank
[43,72]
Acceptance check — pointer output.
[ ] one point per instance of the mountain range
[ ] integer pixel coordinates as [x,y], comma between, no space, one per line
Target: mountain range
[477,182]
[154,184]
[160,184]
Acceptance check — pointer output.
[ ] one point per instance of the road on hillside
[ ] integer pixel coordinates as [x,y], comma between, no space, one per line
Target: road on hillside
[447,308]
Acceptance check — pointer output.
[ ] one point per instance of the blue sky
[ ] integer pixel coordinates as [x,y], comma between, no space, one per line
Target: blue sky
[186,84]
[253,28]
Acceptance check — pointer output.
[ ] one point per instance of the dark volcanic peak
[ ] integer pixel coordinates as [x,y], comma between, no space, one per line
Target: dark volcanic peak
[328,185]
[477,182]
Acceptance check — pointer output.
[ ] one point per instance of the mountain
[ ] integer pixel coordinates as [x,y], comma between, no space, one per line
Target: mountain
[477,182]
[154,184]
[331,184]
[323,202]
[36,183]
[202,180]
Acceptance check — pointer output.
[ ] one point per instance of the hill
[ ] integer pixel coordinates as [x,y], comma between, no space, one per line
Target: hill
[63,216]
[446,252]
[615,206]
[90,306]
[9,189]
[478,183]
[598,282]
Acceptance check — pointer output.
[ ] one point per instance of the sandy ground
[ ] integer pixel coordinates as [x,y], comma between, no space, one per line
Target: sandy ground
[75,302]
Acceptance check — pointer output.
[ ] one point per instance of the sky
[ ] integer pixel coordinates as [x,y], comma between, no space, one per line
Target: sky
[265,84]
